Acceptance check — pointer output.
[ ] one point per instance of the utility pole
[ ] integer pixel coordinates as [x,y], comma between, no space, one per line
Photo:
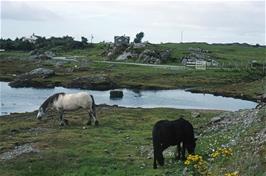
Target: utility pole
[181,36]
[91,38]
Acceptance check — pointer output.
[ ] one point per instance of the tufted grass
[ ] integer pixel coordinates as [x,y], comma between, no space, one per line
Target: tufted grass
[121,144]
[113,148]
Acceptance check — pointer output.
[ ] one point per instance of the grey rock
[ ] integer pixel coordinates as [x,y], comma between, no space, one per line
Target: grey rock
[59,64]
[49,54]
[43,72]
[165,55]
[17,151]
[93,82]
[124,56]
[195,114]
[35,54]
[26,80]
[216,119]
[44,57]
[114,94]
[139,45]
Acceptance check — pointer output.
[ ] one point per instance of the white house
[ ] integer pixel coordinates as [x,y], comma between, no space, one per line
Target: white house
[31,39]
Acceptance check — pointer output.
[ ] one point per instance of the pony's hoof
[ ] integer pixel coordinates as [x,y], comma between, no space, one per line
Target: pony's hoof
[88,123]
[66,121]
[96,123]
[61,123]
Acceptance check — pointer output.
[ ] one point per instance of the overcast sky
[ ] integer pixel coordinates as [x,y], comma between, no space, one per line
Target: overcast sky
[161,21]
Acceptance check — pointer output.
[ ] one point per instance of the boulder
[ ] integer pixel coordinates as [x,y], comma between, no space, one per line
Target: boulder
[93,82]
[115,51]
[216,119]
[49,54]
[195,114]
[35,54]
[42,72]
[44,57]
[149,57]
[165,55]
[27,79]
[30,83]
[263,98]
[139,45]
[114,94]
[124,56]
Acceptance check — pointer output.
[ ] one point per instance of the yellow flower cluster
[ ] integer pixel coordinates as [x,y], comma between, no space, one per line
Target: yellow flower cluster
[200,166]
[224,151]
[232,174]
[195,159]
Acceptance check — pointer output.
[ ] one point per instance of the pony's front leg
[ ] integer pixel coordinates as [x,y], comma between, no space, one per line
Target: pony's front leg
[178,151]
[183,152]
[62,121]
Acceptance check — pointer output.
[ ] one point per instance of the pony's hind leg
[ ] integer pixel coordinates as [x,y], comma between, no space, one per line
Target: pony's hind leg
[92,115]
[89,120]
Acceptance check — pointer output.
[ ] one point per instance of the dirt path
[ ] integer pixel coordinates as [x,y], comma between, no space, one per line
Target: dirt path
[171,67]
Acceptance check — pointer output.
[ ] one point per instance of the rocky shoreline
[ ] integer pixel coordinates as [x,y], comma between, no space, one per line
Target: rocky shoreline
[106,83]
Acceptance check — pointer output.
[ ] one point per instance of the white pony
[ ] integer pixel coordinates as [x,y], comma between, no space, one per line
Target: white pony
[68,102]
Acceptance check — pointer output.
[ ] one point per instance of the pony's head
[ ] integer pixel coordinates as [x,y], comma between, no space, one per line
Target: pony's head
[40,114]
[191,146]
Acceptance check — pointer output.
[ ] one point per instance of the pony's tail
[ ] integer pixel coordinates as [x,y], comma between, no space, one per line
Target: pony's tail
[93,106]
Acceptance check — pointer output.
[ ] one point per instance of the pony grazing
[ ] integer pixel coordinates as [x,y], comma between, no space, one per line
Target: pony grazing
[69,102]
[169,133]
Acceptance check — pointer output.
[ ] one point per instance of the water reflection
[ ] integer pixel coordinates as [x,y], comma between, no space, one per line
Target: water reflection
[29,99]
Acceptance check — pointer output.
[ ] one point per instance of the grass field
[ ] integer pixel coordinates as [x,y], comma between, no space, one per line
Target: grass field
[121,145]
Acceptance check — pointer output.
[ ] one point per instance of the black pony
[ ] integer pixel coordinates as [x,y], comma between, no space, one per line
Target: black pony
[169,133]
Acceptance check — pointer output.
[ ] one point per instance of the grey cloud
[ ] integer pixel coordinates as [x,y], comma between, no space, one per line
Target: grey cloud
[24,11]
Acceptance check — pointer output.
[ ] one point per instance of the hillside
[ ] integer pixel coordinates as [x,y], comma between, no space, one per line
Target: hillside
[236,74]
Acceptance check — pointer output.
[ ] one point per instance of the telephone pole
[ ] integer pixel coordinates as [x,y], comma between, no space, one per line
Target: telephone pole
[181,36]
[91,38]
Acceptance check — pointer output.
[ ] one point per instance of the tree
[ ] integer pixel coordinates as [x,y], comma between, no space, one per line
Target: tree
[139,37]
[84,41]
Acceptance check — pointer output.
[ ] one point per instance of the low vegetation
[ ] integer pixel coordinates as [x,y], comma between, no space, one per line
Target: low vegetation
[122,144]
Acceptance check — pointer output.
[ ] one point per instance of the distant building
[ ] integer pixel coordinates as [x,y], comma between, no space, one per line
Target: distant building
[30,39]
[121,40]
[200,65]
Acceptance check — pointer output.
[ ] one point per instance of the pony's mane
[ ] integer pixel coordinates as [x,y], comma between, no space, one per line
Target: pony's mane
[50,100]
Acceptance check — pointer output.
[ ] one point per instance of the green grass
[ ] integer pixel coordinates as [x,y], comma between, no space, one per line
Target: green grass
[13,54]
[111,149]
[120,145]
[240,54]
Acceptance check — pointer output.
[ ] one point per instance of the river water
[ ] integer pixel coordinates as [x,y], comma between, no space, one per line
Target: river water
[29,99]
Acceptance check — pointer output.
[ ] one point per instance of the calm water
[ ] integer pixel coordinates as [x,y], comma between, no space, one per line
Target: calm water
[29,99]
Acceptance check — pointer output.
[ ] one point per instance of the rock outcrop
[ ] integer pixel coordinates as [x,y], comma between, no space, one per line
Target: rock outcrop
[198,54]
[93,83]
[28,79]
[35,54]
[138,53]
